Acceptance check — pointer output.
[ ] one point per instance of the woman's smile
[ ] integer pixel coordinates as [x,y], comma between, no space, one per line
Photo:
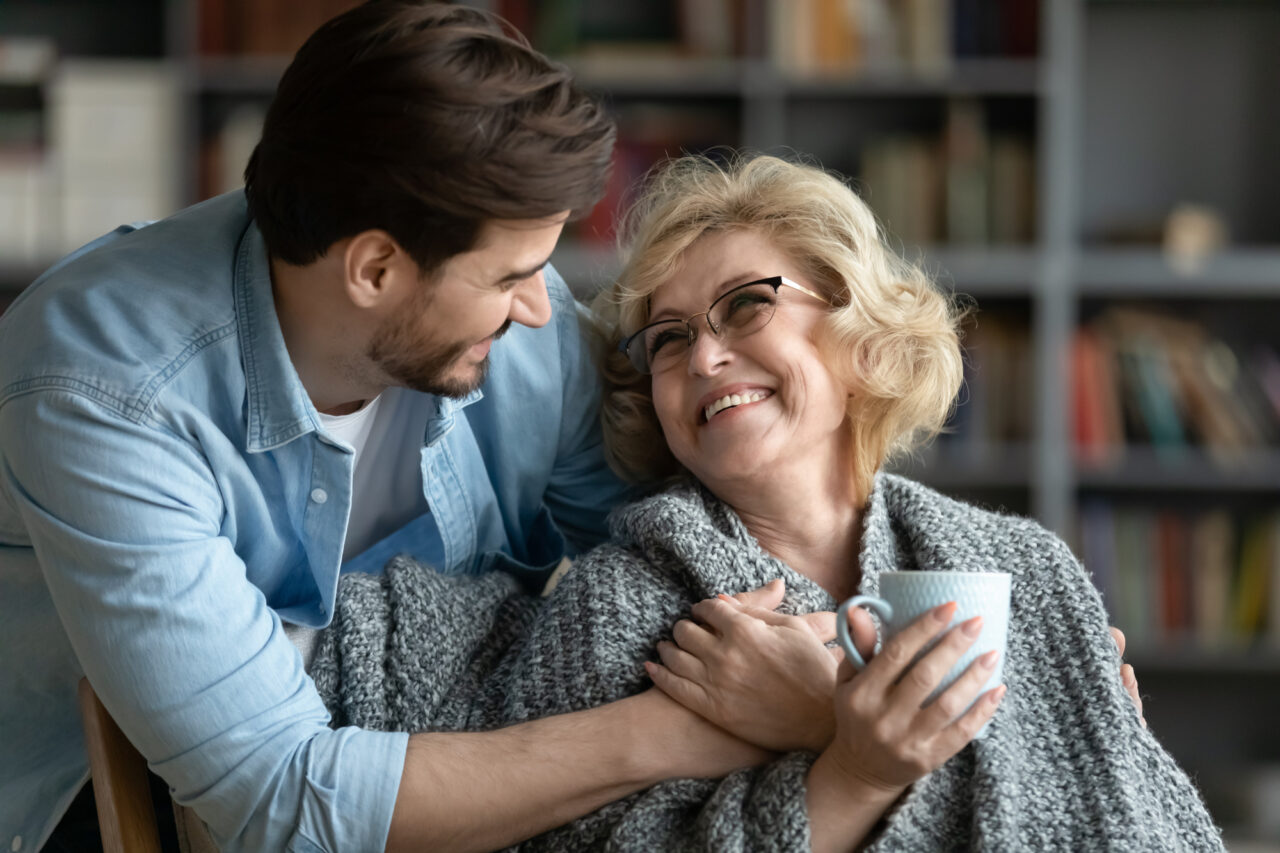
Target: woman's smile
[731,399]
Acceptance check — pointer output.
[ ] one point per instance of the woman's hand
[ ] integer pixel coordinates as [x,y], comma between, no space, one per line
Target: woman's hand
[886,736]
[765,677]
[1128,678]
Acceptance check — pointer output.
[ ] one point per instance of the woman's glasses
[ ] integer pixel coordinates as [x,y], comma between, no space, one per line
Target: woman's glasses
[736,313]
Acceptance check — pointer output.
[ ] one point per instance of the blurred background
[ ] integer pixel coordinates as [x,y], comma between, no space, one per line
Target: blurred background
[1100,178]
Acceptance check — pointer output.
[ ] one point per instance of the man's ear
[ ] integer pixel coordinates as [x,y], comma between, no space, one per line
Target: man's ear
[370,264]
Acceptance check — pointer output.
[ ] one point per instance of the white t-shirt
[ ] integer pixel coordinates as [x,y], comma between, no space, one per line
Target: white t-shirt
[386,490]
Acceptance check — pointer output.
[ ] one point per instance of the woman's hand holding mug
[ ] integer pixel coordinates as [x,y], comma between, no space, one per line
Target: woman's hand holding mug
[887,734]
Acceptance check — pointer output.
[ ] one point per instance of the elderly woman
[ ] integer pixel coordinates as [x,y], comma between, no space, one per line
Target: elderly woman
[773,355]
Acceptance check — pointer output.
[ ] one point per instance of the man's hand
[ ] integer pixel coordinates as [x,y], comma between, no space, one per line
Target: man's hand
[1128,677]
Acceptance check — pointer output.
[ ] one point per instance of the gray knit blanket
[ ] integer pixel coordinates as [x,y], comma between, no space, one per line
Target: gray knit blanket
[1065,764]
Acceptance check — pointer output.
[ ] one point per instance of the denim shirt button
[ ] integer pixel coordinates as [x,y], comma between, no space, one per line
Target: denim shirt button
[319,495]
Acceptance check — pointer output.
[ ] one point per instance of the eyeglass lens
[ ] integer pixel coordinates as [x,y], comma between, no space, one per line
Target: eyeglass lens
[735,314]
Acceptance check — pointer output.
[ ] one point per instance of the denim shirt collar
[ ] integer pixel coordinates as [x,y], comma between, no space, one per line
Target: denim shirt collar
[279,408]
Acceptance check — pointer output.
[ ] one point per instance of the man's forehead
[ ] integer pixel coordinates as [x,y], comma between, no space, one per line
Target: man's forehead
[494,230]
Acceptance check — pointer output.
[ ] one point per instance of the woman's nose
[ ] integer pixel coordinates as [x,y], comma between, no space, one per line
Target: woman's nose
[708,351]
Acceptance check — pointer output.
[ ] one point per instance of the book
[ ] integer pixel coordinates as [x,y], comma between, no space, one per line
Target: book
[1097,430]
[1175,590]
[1134,573]
[966,147]
[1013,190]
[926,36]
[1249,596]
[1098,550]
[114,145]
[1211,554]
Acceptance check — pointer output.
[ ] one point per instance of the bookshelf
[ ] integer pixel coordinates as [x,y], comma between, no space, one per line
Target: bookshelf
[1101,118]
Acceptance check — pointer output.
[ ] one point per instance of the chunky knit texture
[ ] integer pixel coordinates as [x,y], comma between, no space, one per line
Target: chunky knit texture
[1065,764]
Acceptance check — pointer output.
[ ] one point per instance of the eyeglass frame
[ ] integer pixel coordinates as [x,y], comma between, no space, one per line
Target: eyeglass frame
[775,281]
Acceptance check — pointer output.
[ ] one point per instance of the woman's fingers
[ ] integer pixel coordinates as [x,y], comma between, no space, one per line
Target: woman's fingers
[693,638]
[955,736]
[719,614]
[928,672]
[688,693]
[1118,636]
[681,662]
[768,596]
[1129,679]
[863,632]
[893,660]
[822,624]
[951,703]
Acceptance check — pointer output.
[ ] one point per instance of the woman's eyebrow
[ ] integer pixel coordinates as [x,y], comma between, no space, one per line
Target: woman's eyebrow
[726,284]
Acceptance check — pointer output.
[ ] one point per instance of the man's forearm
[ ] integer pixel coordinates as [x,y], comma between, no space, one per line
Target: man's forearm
[486,790]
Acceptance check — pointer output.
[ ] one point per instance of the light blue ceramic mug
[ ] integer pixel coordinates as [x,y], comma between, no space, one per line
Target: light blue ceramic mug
[904,596]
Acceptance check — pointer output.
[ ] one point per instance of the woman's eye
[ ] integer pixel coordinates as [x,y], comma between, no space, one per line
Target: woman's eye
[746,302]
[664,338]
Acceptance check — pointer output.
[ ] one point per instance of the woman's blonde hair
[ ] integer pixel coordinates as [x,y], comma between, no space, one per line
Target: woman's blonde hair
[891,337]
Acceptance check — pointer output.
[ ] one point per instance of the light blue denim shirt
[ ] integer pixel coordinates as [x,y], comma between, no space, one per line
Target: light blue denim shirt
[167,496]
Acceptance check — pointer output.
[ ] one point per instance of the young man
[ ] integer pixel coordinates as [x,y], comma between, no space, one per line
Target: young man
[203,418]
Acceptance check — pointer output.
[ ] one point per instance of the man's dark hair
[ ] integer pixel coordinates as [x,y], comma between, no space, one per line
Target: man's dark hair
[425,120]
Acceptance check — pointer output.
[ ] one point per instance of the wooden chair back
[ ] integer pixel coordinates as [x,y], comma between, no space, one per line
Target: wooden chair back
[126,815]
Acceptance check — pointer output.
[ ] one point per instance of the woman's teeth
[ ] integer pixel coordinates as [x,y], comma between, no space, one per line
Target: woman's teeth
[728,401]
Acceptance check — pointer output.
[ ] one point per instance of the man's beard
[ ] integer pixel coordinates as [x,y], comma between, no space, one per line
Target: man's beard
[412,360]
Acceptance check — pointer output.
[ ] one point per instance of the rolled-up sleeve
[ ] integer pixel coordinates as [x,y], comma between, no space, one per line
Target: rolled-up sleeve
[126,520]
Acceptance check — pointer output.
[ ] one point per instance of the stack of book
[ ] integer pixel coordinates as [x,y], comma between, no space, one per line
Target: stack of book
[262,27]
[649,134]
[624,32]
[115,140]
[968,187]
[1143,377]
[921,37]
[994,406]
[1208,579]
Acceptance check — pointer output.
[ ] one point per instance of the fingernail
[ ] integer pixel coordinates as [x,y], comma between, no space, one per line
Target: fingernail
[997,694]
[973,627]
[944,612]
[989,659]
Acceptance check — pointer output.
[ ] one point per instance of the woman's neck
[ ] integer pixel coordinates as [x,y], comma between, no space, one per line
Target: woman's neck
[813,524]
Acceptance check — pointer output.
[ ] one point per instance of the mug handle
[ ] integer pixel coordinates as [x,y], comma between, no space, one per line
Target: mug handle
[883,608]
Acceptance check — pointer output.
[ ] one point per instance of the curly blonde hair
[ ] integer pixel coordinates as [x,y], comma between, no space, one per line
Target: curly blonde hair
[891,336]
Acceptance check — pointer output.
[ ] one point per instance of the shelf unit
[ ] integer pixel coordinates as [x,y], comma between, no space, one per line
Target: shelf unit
[1132,106]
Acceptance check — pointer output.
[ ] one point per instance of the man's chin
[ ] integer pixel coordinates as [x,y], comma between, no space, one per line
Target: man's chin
[461,380]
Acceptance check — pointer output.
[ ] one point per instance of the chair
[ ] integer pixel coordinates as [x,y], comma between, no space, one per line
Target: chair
[126,816]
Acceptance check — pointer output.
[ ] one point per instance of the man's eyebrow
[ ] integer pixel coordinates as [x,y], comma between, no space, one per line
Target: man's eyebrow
[523,274]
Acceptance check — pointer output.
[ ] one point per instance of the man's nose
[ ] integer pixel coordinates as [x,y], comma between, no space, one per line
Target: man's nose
[530,305]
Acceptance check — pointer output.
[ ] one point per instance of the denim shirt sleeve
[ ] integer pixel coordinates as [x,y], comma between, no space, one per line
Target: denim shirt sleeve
[125,518]
[582,489]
